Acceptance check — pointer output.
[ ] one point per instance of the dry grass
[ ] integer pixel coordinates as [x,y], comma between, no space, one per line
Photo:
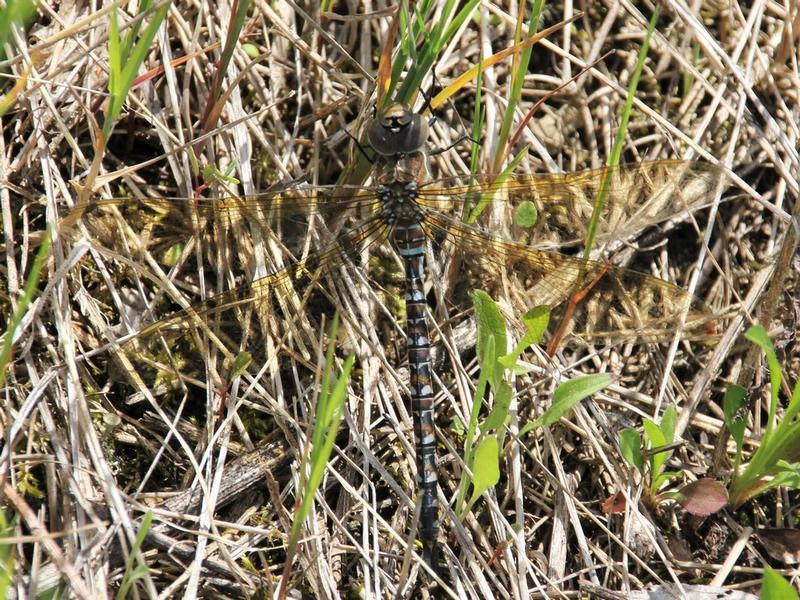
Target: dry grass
[91,442]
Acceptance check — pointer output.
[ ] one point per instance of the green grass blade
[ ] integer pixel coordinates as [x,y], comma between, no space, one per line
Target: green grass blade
[477,122]
[616,150]
[458,20]
[125,57]
[27,295]
[330,408]
[140,571]
[444,29]
[15,13]
[517,80]
[7,554]
[231,40]
[133,32]
[486,197]
[114,71]
[142,46]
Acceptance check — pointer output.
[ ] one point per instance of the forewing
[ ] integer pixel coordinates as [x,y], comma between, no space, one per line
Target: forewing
[637,196]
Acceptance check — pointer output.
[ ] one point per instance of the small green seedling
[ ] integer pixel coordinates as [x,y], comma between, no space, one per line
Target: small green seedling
[641,451]
[776,459]
[648,454]
[483,441]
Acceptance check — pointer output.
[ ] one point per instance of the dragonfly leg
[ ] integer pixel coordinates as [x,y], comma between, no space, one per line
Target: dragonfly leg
[460,139]
[360,147]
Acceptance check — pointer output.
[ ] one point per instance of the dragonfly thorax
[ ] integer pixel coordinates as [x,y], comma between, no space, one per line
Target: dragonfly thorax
[399,202]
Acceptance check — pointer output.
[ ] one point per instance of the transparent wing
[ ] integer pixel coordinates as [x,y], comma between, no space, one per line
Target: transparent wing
[593,301]
[254,257]
[637,196]
[298,204]
[167,250]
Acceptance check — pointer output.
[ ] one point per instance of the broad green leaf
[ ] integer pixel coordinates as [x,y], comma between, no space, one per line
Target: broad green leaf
[573,391]
[536,321]
[486,468]
[788,475]
[664,477]
[775,587]
[758,335]
[653,434]
[655,437]
[630,444]
[667,425]
[490,323]
[567,395]
[472,427]
[173,254]
[240,363]
[499,413]
[734,397]
[457,426]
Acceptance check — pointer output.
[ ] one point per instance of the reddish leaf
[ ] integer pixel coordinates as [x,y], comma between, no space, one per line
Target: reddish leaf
[614,505]
[703,497]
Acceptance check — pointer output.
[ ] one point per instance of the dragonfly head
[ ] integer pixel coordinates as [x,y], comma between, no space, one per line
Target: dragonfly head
[396,130]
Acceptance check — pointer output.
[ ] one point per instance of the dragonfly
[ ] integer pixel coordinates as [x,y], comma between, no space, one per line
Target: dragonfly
[306,233]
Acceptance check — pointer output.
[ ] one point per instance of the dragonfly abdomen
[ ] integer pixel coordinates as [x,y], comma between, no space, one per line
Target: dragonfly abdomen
[409,241]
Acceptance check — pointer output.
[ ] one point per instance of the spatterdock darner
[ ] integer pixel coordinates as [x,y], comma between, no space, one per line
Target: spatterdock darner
[471,218]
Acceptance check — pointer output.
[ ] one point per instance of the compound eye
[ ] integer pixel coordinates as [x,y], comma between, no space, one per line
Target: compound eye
[397,131]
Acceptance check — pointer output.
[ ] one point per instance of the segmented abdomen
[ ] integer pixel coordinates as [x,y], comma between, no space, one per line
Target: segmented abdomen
[409,240]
